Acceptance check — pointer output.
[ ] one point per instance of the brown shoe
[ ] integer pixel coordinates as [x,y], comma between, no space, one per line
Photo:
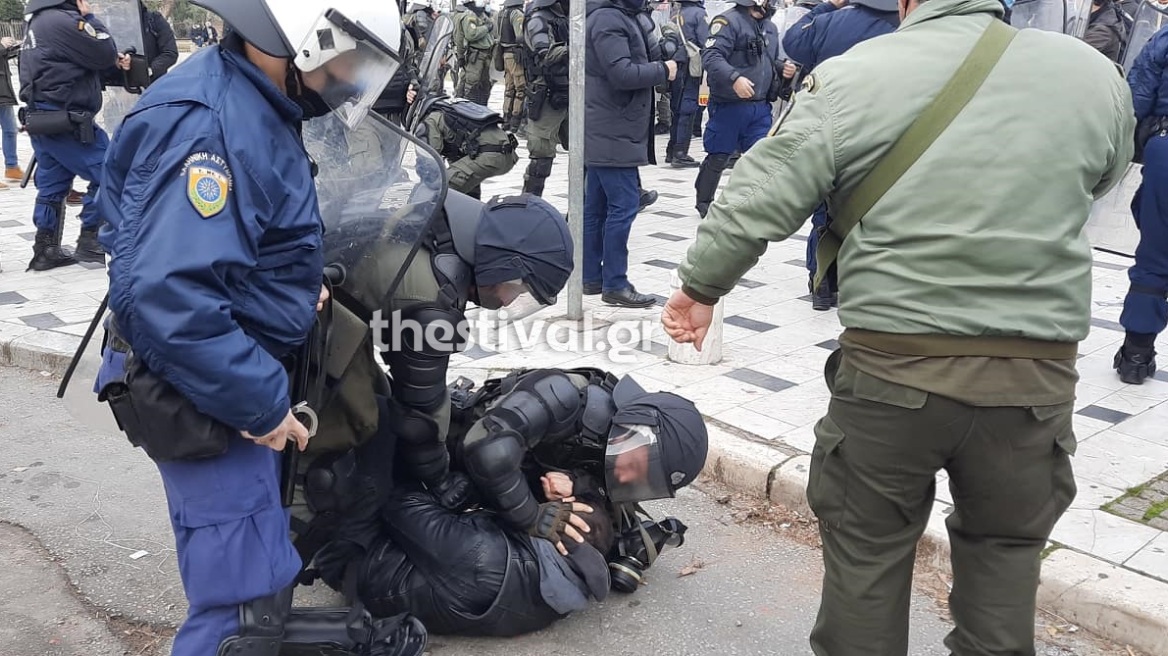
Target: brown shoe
[3,186]
[14,173]
[74,198]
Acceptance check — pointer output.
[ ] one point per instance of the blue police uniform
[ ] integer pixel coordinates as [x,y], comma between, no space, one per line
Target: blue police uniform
[216,267]
[64,59]
[738,46]
[1145,309]
[824,32]
[684,92]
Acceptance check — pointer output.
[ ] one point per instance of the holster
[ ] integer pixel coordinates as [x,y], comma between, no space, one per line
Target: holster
[59,121]
[155,416]
[536,97]
[558,99]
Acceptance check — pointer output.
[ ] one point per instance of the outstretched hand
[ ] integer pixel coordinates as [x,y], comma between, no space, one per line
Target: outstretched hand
[685,320]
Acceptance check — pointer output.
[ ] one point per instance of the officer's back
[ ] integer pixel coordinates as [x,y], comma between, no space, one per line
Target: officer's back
[57,68]
[829,30]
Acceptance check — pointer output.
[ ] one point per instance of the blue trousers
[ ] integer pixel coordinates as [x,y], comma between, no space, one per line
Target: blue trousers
[60,158]
[9,128]
[611,198]
[684,98]
[1145,309]
[819,220]
[231,535]
[735,127]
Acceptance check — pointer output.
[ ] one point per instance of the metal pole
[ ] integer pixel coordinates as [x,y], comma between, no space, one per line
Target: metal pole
[576,47]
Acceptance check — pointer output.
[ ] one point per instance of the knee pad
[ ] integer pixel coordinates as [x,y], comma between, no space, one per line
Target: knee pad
[261,626]
[540,167]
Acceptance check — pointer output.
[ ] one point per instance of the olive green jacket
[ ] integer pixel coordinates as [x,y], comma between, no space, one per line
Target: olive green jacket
[983,236]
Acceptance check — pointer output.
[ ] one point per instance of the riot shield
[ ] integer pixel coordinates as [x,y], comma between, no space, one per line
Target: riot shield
[124,21]
[1063,16]
[784,20]
[378,190]
[1150,17]
[1110,227]
[431,69]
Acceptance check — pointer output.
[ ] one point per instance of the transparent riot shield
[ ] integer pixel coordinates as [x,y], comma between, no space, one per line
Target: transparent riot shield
[784,20]
[1110,227]
[1063,16]
[378,190]
[124,21]
[1150,17]
[80,396]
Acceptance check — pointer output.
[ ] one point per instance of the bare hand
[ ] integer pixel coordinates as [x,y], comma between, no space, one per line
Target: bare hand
[124,62]
[411,95]
[289,428]
[576,524]
[789,69]
[324,296]
[685,320]
[83,7]
[839,4]
[8,41]
[671,66]
[557,486]
[744,88]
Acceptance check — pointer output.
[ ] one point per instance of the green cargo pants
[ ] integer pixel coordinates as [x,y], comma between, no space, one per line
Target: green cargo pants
[872,486]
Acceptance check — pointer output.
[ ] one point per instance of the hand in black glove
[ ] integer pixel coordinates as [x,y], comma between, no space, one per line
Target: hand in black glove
[400,635]
[559,518]
[454,492]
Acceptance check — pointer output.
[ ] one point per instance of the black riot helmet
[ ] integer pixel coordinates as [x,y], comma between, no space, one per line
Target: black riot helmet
[518,247]
[34,6]
[656,446]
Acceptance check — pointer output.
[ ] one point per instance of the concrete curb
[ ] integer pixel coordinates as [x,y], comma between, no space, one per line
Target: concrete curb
[1110,601]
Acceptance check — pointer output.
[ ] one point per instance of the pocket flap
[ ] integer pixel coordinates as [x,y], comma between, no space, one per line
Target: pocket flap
[223,506]
[871,388]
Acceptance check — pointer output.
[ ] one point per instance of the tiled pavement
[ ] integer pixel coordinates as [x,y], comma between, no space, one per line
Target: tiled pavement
[768,387]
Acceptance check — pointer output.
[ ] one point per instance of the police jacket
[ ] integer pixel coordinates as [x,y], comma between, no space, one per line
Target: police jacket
[620,79]
[158,40]
[694,28]
[827,31]
[7,92]
[215,236]
[740,46]
[1148,78]
[1107,31]
[545,32]
[65,57]
[846,118]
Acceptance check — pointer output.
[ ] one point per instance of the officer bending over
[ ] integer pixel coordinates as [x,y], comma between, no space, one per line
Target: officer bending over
[469,136]
[215,233]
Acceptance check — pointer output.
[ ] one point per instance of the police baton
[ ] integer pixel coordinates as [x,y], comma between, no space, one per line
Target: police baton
[32,164]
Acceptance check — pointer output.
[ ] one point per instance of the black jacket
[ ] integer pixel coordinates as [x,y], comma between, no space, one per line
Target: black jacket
[1106,32]
[158,40]
[620,79]
[66,63]
[7,91]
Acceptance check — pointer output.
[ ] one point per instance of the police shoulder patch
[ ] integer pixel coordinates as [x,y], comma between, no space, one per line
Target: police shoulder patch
[711,42]
[209,183]
[810,84]
[716,25]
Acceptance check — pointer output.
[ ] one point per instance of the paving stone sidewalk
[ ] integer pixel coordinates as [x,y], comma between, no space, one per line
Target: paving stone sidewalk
[769,385]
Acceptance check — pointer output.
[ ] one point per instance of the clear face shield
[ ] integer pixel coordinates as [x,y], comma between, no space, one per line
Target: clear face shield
[633,467]
[514,295]
[346,66]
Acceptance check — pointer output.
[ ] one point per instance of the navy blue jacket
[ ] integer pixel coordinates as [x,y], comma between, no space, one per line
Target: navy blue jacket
[740,46]
[620,79]
[827,31]
[215,236]
[67,55]
[694,28]
[1148,78]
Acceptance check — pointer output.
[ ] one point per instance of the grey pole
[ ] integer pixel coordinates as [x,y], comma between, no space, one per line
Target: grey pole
[576,40]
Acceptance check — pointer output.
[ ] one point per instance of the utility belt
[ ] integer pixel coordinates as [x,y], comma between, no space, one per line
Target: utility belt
[152,413]
[473,54]
[474,148]
[51,122]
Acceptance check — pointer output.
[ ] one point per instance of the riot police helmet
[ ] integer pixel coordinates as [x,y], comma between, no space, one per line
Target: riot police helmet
[513,3]
[344,50]
[544,4]
[519,248]
[34,6]
[656,446]
[878,5]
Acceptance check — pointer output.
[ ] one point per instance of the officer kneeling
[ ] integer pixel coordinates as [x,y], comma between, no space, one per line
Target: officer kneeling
[469,135]
[215,235]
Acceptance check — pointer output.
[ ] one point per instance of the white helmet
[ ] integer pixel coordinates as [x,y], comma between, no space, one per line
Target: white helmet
[313,33]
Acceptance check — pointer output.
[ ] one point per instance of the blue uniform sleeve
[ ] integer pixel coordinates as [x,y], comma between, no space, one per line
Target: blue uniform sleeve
[716,53]
[803,41]
[86,42]
[186,228]
[1147,74]
[611,42]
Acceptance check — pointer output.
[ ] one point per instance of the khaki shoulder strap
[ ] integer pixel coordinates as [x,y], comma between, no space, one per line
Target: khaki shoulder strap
[919,136]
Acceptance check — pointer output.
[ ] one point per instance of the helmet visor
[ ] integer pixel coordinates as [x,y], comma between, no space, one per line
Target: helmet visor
[633,468]
[510,294]
[346,65]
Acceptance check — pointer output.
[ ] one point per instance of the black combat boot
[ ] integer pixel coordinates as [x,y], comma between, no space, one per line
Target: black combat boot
[1136,362]
[47,252]
[682,160]
[647,199]
[88,248]
[538,170]
[709,176]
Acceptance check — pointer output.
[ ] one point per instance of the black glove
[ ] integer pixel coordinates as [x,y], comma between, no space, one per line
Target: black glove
[550,522]
[454,492]
[400,635]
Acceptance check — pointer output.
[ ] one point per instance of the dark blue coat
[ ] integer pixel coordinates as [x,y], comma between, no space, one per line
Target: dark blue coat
[67,56]
[215,236]
[620,79]
[740,46]
[694,28]
[1148,78]
[827,31]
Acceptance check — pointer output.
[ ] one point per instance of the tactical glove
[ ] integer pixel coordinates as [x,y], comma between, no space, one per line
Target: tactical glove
[556,54]
[550,522]
[454,492]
